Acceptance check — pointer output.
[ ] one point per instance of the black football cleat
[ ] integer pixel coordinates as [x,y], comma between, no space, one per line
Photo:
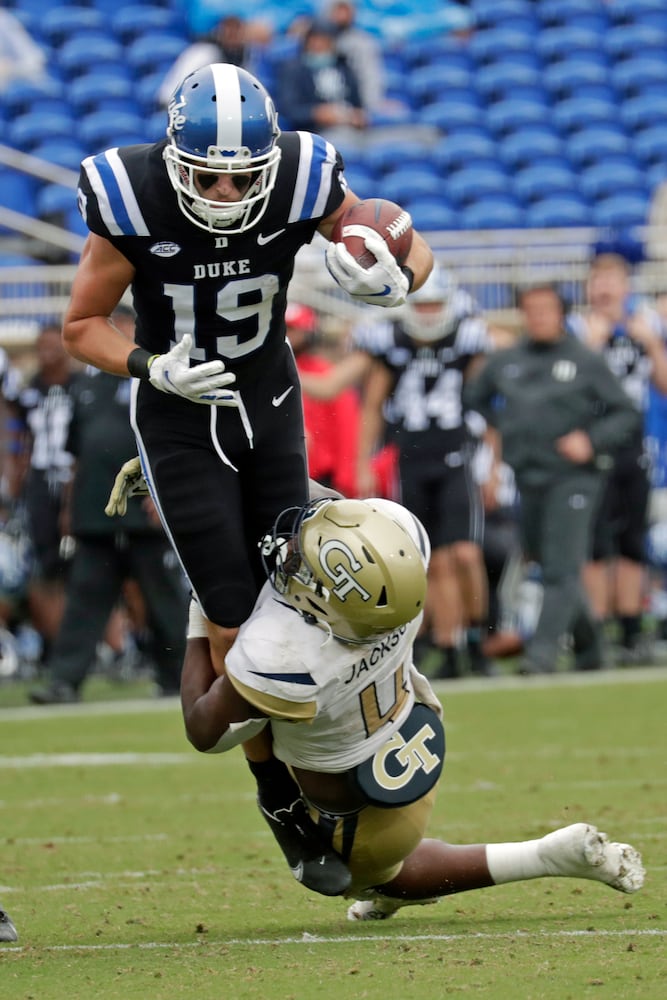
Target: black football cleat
[312,861]
[7,929]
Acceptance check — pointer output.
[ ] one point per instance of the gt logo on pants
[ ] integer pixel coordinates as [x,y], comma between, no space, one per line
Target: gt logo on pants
[408,764]
[411,755]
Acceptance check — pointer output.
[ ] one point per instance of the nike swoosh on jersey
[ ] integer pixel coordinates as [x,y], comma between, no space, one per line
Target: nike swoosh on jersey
[261,239]
[277,400]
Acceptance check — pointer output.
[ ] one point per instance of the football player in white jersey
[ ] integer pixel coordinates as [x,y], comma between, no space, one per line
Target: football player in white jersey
[326,659]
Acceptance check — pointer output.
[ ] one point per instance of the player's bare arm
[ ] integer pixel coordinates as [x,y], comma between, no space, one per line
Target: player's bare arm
[102,277]
[210,702]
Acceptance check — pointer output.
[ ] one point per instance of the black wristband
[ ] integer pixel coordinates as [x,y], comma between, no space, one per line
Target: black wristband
[137,363]
[410,275]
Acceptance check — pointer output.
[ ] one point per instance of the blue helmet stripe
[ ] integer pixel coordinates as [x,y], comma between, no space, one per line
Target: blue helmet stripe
[116,200]
[313,180]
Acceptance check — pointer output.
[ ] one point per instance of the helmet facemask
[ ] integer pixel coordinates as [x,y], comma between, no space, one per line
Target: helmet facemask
[429,313]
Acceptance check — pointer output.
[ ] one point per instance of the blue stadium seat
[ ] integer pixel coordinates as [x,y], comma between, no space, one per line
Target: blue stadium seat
[523,146]
[497,43]
[363,182]
[650,145]
[152,51]
[554,44]
[621,211]
[146,91]
[610,177]
[625,41]
[497,13]
[417,182]
[452,115]
[461,148]
[66,152]
[102,129]
[596,142]
[20,96]
[544,181]
[85,53]
[502,79]
[17,191]
[564,78]
[427,88]
[632,76]
[492,213]
[477,181]
[425,84]
[96,89]
[575,113]
[515,113]
[432,215]
[627,11]
[54,199]
[59,23]
[133,20]
[644,111]
[556,13]
[558,210]
[32,128]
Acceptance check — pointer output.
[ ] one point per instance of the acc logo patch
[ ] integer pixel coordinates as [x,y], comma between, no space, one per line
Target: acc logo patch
[165,249]
[408,765]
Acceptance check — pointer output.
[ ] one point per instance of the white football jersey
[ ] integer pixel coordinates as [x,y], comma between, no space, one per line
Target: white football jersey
[332,705]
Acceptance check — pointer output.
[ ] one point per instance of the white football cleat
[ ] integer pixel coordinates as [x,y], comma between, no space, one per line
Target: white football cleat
[581,851]
[382,907]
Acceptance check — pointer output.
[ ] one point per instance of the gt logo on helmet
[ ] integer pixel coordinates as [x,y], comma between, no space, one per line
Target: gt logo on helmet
[344,581]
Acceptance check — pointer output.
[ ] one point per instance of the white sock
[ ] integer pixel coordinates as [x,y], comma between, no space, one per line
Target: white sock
[514,862]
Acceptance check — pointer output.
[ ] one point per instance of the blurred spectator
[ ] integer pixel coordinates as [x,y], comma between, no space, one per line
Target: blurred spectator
[560,414]
[20,57]
[108,552]
[332,427]
[41,469]
[628,333]
[233,40]
[317,90]
[420,362]
[363,53]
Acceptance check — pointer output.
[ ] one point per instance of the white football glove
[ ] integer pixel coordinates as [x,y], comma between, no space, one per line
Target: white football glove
[129,482]
[206,383]
[383,284]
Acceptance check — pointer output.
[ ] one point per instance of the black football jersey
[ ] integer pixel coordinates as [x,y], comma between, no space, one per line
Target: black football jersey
[424,411]
[228,291]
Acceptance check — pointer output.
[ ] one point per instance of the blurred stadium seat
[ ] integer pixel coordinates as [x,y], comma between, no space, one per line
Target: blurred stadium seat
[59,23]
[558,210]
[621,210]
[492,213]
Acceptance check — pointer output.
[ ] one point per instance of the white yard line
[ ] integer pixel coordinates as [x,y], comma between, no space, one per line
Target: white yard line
[310,939]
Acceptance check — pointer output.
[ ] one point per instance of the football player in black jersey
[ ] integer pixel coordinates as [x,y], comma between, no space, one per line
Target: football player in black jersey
[204,227]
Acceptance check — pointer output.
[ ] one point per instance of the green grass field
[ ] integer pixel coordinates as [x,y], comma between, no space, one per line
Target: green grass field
[135,868]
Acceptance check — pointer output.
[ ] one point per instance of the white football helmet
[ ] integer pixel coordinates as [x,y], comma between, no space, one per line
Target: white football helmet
[222,120]
[349,566]
[429,311]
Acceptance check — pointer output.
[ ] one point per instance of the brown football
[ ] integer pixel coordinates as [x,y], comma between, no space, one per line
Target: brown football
[384,217]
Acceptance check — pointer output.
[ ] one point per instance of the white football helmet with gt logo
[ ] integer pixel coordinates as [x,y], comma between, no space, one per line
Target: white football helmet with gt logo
[222,120]
[356,568]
